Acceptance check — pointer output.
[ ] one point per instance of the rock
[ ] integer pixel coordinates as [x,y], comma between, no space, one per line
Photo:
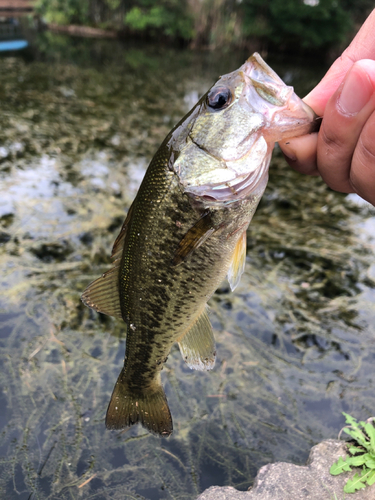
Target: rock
[223,493]
[284,481]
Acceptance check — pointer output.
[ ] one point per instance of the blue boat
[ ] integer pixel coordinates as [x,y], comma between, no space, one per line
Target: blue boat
[11,36]
[7,45]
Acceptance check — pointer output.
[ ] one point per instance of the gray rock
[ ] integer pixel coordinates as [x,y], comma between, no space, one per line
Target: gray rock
[284,481]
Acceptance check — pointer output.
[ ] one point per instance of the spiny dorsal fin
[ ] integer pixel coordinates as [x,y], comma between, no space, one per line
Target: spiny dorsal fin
[119,242]
[148,406]
[237,264]
[197,346]
[103,294]
[194,238]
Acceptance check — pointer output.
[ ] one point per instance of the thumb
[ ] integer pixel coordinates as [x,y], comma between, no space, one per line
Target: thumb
[362,47]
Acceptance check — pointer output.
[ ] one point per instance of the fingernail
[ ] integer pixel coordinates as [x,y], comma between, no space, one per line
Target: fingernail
[288,152]
[356,91]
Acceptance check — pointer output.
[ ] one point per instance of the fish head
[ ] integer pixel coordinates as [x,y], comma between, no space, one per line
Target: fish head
[245,104]
[233,129]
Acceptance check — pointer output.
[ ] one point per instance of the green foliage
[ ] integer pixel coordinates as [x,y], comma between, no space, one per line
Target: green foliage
[339,467]
[63,11]
[168,17]
[290,23]
[280,24]
[358,10]
[113,4]
[362,456]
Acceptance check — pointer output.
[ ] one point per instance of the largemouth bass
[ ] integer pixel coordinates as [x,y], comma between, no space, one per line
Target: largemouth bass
[186,230]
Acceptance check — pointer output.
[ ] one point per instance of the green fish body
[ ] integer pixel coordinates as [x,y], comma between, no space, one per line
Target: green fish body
[186,230]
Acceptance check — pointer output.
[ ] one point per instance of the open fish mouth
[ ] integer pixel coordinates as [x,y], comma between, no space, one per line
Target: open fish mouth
[267,92]
[266,82]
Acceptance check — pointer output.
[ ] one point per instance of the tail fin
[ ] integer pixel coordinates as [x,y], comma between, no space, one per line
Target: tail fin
[149,407]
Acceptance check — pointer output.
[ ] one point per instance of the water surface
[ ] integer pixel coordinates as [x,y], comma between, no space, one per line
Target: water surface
[79,123]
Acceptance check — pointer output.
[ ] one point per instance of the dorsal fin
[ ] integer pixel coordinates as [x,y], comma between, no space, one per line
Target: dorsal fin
[237,264]
[194,238]
[119,242]
[103,294]
[197,346]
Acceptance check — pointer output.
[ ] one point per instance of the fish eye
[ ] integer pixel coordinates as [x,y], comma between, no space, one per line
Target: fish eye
[219,98]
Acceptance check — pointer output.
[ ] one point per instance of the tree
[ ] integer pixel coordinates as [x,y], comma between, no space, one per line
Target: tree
[169,17]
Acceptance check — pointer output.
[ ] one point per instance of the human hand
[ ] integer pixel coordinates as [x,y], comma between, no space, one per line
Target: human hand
[343,152]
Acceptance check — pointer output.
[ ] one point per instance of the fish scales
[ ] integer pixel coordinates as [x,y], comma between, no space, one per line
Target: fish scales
[186,230]
[169,294]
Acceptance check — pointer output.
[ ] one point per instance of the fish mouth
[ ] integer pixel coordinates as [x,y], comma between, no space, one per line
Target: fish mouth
[298,119]
[315,124]
[257,69]
[288,116]
[295,126]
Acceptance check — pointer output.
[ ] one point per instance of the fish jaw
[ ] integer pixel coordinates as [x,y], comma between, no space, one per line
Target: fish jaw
[286,114]
[233,181]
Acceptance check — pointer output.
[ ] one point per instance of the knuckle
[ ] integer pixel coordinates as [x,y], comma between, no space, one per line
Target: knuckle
[333,144]
[362,172]
[366,148]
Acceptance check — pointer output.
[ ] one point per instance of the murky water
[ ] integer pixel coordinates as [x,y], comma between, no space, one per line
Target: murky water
[79,122]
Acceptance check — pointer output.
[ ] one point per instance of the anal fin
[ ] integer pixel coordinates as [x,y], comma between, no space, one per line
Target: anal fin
[237,265]
[197,346]
[148,406]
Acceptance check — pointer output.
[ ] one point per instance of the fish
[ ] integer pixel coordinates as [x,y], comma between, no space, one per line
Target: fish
[186,230]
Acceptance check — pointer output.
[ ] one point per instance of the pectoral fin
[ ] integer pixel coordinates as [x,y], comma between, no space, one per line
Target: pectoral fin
[197,346]
[103,294]
[194,238]
[237,264]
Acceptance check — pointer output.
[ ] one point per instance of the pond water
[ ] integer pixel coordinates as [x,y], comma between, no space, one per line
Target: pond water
[79,123]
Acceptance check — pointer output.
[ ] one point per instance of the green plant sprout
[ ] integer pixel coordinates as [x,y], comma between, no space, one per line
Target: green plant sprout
[363,455]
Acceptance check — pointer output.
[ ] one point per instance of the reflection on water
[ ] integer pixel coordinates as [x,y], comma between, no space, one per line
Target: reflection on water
[78,126]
